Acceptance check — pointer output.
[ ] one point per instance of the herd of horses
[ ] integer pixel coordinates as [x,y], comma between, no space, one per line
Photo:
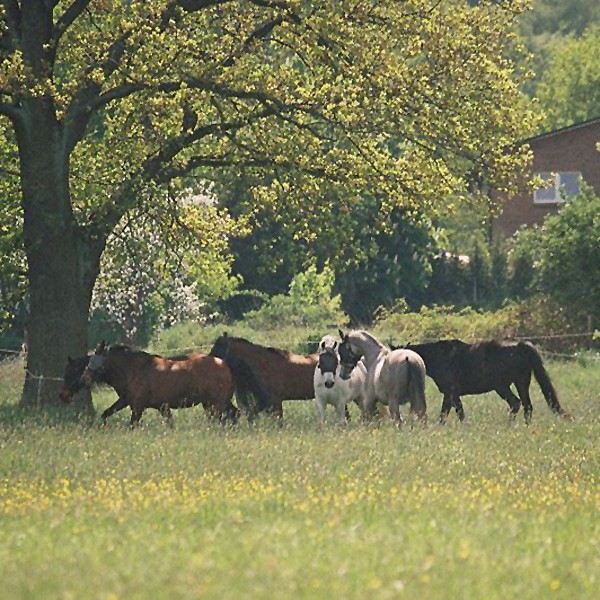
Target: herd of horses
[354,367]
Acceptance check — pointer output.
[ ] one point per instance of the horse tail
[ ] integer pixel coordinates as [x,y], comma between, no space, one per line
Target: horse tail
[247,384]
[542,377]
[416,387]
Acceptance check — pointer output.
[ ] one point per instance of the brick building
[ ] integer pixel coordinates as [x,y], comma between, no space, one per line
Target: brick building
[563,158]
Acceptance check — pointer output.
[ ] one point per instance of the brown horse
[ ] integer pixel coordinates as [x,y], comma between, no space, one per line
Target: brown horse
[145,380]
[285,376]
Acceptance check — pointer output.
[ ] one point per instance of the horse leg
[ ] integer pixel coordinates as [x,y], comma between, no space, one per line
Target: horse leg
[320,404]
[394,406]
[136,415]
[341,410]
[458,407]
[513,401]
[224,409]
[368,408]
[277,410]
[522,386]
[446,406]
[230,414]
[165,411]
[120,404]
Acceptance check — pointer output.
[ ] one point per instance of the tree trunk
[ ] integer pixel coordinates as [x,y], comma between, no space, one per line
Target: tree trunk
[62,264]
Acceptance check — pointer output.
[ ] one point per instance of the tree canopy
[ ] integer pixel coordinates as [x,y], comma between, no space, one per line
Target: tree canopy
[104,101]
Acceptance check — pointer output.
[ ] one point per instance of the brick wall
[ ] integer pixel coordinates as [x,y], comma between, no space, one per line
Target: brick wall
[569,149]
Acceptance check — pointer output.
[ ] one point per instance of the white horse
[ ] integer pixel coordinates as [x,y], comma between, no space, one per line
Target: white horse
[330,388]
[394,377]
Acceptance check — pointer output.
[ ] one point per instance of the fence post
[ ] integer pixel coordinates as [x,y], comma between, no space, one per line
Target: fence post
[590,332]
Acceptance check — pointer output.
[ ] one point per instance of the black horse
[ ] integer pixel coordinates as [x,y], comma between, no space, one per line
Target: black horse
[458,368]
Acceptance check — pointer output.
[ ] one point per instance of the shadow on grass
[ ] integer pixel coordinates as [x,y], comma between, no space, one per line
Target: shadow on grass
[15,415]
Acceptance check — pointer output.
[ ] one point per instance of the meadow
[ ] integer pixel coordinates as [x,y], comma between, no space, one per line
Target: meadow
[480,510]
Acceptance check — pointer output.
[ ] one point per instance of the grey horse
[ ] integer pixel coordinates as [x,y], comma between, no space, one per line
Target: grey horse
[394,377]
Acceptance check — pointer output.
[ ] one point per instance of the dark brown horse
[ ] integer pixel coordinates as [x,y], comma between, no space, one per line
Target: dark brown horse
[285,376]
[72,378]
[458,368]
[72,383]
[145,380]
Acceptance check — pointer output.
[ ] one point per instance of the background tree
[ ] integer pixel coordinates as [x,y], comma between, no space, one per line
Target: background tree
[374,264]
[569,88]
[161,267]
[107,100]
[549,25]
[565,255]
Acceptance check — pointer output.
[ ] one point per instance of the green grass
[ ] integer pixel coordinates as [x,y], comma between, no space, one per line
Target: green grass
[481,510]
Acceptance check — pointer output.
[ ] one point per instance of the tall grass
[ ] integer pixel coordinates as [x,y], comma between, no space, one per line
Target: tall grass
[482,510]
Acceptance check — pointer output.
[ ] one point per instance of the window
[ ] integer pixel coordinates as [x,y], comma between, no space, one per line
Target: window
[557,187]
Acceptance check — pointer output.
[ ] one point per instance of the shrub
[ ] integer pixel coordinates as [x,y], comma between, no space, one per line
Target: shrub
[309,303]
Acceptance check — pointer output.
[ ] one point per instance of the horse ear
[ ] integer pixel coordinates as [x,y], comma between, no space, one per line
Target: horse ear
[335,345]
[342,336]
[322,345]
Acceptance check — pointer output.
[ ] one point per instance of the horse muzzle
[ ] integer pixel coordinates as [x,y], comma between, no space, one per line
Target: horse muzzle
[329,384]
[346,372]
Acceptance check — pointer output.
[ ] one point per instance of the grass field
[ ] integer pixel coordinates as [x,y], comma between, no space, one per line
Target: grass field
[482,510]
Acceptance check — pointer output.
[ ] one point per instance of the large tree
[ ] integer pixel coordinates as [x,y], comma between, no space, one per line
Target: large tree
[104,99]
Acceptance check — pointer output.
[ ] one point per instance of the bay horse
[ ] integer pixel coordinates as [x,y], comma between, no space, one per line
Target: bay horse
[330,388]
[394,377]
[285,375]
[145,380]
[458,368]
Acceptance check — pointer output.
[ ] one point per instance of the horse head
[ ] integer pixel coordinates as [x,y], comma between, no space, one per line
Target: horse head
[221,348]
[349,356]
[328,364]
[328,341]
[96,365]
[72,378]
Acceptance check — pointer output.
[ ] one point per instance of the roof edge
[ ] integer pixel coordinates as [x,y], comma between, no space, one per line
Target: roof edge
[564,129]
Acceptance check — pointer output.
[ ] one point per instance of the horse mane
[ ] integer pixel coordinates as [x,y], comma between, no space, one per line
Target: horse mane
[125,349]
[278,351]
[368,335]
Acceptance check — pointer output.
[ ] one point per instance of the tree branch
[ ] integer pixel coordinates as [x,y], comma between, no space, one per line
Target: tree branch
[85,102]
[10,111]
[68,17]
[195,5]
